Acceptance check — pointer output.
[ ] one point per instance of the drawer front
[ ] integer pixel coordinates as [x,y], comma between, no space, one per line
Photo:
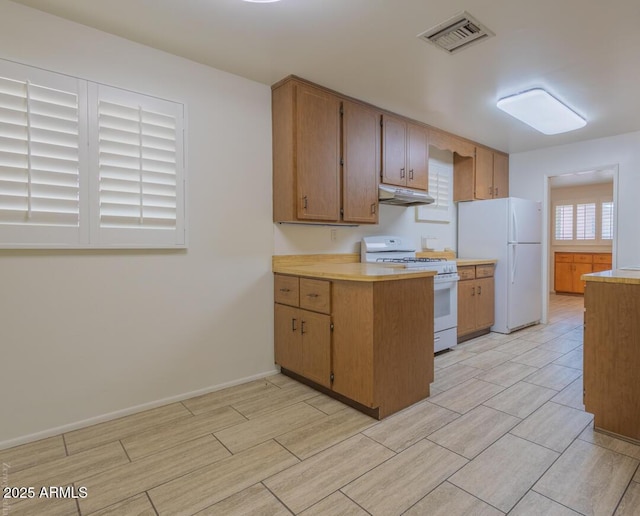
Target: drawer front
[582,258]
[484,271]
[286,290]
[602,258]
[315,295]
[467,272]
[564,257]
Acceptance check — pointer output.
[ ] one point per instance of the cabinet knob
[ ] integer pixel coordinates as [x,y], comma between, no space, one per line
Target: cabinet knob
[293,324]
[304,202]
[312,294]
[285,290]
[302,332]
[410,173]
[402,173]
[373,208]
[473,291]
[479,290]
[496,192]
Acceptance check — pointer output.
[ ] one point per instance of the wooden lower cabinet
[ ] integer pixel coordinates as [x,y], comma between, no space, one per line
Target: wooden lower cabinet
[377,351]
[476,301]
[612,357]
[303,343]
[569,268]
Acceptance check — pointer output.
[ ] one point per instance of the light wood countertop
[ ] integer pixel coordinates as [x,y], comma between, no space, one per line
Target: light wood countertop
[615,276]
[475,261]
[351,271]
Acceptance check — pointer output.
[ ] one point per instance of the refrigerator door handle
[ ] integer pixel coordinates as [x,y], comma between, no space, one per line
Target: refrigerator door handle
[514,264]
[515,226]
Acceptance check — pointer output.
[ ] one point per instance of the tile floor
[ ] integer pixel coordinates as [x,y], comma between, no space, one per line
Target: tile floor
[504,431]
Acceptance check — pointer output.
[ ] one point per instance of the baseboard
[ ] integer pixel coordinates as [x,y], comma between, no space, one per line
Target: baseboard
[10,443]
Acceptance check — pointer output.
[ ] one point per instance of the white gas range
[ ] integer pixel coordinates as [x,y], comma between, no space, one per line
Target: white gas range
[396,251]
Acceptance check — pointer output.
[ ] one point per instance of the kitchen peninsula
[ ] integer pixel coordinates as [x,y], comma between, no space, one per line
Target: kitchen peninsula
[362,333]
[612,351]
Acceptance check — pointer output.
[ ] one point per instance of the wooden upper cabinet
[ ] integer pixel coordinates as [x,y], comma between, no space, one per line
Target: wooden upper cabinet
[306,153]
[317,154]
[405,153]
[486,176]
[394,144]
[417,157]
[483,182]
[361,158]
[500,175]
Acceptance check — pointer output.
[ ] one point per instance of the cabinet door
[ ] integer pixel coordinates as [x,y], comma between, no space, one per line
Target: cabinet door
[417,157]
[317,154]
[485,310]
[466,307]
[578,270]
[484,174]
[361,169]
[500,175]
[563,279]
[394,150]
[316,347]
[287,338]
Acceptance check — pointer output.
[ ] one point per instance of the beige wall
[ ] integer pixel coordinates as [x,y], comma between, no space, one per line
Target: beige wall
[91,334]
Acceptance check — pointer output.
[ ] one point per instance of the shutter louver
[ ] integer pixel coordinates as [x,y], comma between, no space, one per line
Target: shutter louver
[564,222]
[439,186]
[607,221]
[39,155]
[137,167]
[586,221]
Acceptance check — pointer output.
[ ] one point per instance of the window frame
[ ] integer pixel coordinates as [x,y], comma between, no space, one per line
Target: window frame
[574,241]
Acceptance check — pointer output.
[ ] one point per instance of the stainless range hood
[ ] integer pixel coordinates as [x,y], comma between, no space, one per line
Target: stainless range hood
[402,196]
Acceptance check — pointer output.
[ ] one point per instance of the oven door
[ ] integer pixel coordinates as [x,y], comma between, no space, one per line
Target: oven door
[445,304]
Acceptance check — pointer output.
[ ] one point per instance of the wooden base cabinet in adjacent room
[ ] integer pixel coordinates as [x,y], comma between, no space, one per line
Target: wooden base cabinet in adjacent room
[612,356]
[569,267]
[368,343]
[476,301]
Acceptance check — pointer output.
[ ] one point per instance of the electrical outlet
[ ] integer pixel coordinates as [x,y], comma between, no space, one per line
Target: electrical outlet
[333,234]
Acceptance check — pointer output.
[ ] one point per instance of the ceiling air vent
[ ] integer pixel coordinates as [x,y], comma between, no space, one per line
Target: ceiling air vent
[457,33]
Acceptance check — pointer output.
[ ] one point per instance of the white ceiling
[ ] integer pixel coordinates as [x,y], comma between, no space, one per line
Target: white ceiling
[584,52]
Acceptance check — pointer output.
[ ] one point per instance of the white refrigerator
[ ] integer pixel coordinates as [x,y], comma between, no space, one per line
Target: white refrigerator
[509,230]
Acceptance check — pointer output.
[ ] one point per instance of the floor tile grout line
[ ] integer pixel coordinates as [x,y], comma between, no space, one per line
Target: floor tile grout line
[551,449]
[125,450]
[556,501]
[349,498]
[64,442]
[275,496]
[187,408]
[153,506]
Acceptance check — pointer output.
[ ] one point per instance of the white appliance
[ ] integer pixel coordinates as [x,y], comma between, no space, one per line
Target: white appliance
[396,252]
[509,230]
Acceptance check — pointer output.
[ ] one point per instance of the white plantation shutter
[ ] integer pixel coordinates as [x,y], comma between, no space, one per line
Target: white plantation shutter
[586,221]
[139,177]
[440,181]
[607,221]
[440,186]
[87,165]
[564,222]
[42,144]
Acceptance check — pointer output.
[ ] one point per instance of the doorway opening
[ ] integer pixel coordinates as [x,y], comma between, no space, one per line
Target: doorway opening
[579,229]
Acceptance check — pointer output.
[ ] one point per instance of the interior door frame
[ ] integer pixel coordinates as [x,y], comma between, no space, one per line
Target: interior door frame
[546,236]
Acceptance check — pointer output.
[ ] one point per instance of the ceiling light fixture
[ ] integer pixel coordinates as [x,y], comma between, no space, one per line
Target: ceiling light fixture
[541,111]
